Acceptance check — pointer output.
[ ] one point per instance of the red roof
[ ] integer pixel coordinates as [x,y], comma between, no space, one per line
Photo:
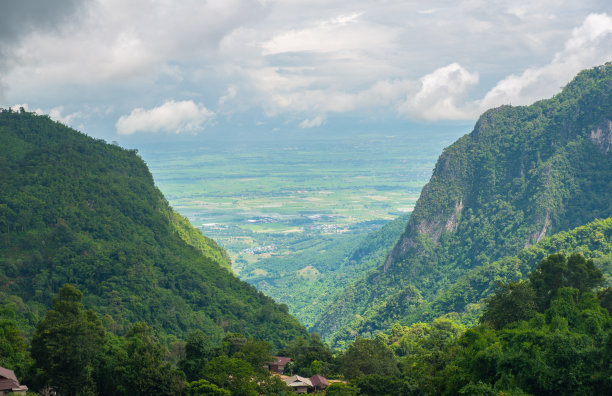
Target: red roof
[8,379]
[318,380]
[8,374]
[281,360]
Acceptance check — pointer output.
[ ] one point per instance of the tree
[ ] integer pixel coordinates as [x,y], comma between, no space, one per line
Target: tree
[257,353]
[368,357]
[198,351]
[512,302]
[340,389]
[12,343]
[203,387]
[374,385]
[232,342]
[67,344]
[305,352]
[605,298]
[142,368]
[232,374]
[557,271]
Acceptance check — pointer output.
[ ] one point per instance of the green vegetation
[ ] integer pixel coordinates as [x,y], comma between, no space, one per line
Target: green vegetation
[309,279]
[561,344]
[474,298]
[80,211]
[522,174]
[291,208]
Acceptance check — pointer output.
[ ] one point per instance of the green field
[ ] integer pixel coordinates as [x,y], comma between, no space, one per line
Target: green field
[272,199]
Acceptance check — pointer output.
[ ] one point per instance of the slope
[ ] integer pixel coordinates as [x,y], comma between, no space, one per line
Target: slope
[521,174]
[310,279]
[77,210]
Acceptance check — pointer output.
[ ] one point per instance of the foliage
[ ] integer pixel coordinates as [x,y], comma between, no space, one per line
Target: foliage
[512,302]
[142,369]
[203,387]
[68,343]
[310,355]
[341,389]
[232,374]
[366,356]
[198,351]
[77,210]
[522,174]
[375,384]
[562,347]
[12,344]
[556,272]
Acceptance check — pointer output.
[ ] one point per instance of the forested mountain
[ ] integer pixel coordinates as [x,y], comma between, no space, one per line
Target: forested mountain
[80,211]
[522,174]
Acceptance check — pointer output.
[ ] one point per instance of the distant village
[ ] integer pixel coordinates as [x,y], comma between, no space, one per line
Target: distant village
[299,384]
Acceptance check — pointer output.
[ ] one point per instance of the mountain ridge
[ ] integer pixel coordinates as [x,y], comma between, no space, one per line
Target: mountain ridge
[77,210]
[521,174]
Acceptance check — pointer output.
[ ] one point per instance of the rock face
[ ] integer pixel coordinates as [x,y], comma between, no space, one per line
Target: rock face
[602,136]
[522,174]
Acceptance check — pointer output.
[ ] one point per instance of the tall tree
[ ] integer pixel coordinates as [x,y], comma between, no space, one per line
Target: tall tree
[67,344]
[198,351]
[512,302]
[557,271]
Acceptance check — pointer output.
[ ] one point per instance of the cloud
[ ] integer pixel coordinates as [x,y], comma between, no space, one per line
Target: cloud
[176,117]
[440,93]
[56,113]
[315,122]
[292,60]
[342,33]
[20,17]
[590,44]
[231,94]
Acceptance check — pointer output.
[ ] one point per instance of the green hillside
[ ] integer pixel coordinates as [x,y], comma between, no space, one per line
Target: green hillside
[312,278]
[464,300]
[522,174]
[77,210]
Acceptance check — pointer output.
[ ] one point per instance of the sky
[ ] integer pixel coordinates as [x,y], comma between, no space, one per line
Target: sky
[141,70]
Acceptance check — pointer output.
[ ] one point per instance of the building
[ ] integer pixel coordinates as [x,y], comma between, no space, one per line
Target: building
[9,384]
[278,366]
[299,384]
[319,382]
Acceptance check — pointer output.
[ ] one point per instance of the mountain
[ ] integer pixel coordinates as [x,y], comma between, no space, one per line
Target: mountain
[522,174]
[77,210]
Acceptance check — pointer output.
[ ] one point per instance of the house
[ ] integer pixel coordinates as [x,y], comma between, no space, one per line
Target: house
[299,384]
[278,366]
[319,382]
[9,383]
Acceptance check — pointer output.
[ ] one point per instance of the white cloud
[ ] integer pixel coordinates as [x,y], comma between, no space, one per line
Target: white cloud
[56,113]
[589,45]
[294,59]
[315,122]
[440,94]
[176,117]
[343,33]
[231,94]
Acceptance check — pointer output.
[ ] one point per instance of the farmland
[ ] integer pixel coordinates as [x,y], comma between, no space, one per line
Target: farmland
[293,206]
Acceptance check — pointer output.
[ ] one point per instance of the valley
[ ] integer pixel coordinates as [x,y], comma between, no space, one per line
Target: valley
[290,208]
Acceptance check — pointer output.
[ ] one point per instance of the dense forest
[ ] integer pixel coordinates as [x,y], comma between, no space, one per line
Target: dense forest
[550,334]
[80,211]
[522,174]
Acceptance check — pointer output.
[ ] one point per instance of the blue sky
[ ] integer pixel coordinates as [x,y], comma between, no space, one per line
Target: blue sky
[135,70]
